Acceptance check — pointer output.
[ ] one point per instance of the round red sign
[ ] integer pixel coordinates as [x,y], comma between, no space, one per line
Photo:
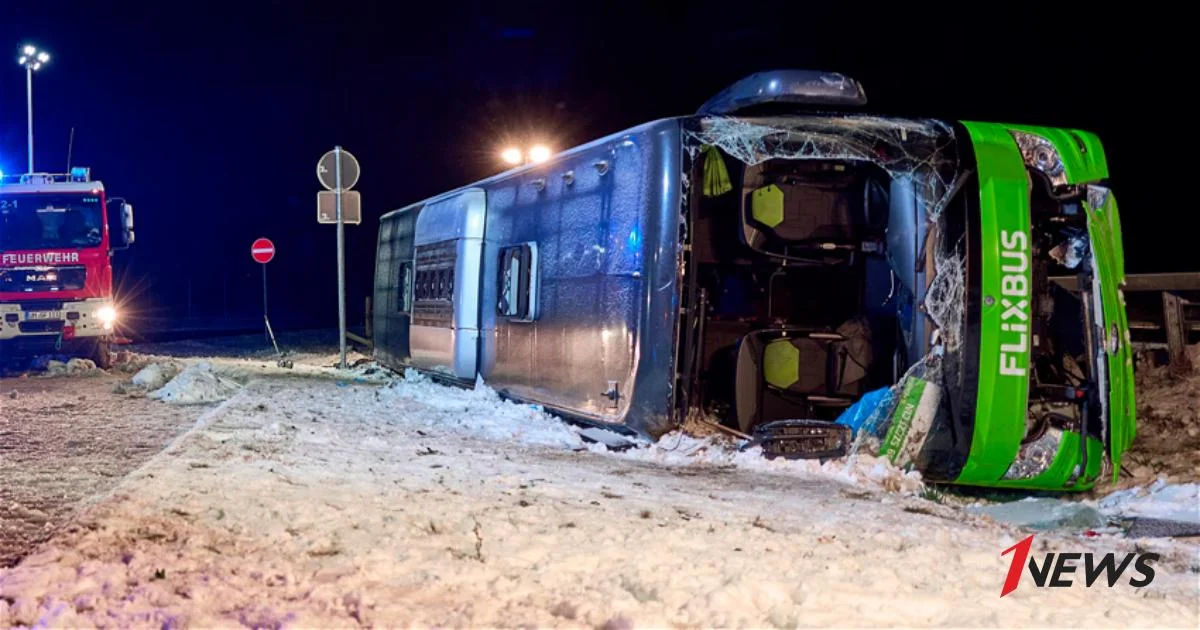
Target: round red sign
[263,250]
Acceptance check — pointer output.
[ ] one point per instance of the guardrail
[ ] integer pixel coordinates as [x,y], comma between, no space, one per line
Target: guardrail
[1178,281]
[1181,316]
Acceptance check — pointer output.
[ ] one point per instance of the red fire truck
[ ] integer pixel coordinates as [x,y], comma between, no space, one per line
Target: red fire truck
[57,236]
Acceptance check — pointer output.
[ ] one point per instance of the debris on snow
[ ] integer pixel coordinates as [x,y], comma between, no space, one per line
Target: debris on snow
[679,449]
[1159,509]
[1160,500]
[1043,513]
[610,439]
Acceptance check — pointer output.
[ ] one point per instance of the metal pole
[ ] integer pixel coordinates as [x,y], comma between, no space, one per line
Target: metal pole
[341,260]
[267,331]
[1177,333]
[29,107]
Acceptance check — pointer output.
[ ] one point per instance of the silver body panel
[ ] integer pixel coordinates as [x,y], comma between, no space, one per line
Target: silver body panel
[445,338]
[605,218]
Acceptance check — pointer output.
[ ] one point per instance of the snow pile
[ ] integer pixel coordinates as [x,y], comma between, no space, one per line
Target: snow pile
[197,384]
[679,449]
[217,379]
[480,412]
[155,375]
[1160,500]
[73,367]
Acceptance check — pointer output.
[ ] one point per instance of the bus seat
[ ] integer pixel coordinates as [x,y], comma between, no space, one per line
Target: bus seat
[817,213]
[802,370]
[797,364]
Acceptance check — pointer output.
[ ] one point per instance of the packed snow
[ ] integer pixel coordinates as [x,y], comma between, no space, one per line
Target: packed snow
[309,503]
[325,497]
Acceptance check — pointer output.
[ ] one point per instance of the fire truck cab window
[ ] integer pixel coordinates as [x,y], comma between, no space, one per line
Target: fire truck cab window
[518,282]
[47,220]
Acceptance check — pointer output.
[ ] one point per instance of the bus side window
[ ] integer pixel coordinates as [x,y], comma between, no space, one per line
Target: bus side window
[518,282]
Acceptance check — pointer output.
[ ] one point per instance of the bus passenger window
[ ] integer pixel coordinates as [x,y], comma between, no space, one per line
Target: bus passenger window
[518,282]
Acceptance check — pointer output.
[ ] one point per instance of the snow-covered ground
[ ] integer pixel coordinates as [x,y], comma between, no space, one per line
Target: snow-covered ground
[63,439]
[324,502]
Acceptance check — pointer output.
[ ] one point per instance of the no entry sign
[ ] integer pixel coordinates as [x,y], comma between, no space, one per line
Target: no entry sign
[262,250]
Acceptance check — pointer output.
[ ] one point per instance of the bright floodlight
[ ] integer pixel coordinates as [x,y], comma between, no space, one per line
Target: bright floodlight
[32,58]
[539,153]
[511,155]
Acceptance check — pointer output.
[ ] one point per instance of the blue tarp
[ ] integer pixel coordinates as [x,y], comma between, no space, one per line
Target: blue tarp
[868,411]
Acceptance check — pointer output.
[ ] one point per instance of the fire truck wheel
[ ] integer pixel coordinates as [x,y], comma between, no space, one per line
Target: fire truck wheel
[102,356]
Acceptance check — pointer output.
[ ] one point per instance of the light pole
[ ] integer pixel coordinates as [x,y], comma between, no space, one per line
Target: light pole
[33,59]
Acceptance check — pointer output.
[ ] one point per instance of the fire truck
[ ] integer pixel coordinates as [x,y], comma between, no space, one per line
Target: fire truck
[58,233]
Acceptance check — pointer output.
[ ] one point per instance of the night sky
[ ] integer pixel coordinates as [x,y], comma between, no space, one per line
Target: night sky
[210,116]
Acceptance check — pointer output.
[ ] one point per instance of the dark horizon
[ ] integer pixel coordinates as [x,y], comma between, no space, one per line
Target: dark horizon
[211,121]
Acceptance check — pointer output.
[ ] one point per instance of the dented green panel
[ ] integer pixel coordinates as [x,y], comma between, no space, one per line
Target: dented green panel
[1105,240]
[1003,395]
[1081,152]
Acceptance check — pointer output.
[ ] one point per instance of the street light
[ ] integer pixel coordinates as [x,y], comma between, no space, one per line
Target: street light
[32,59]
[514,156]
[539,153]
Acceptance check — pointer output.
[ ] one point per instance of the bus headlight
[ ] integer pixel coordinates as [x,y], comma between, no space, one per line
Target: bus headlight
[107,316]
[1039,153]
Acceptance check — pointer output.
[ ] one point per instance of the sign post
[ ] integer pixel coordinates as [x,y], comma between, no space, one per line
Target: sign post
[338,171]
[263,251]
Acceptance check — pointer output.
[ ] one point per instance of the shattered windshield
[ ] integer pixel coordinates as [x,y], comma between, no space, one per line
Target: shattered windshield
[918,149]
[42,221]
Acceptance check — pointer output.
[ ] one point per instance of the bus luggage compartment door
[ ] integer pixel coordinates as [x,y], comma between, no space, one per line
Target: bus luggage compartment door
[445,309]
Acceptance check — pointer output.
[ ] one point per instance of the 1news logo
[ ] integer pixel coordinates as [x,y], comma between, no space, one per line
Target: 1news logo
[1055,569]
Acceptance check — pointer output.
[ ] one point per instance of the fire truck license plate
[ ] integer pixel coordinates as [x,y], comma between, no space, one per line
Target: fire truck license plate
[43,315]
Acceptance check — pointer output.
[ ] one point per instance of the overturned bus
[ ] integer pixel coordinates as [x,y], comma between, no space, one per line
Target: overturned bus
[784,265]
